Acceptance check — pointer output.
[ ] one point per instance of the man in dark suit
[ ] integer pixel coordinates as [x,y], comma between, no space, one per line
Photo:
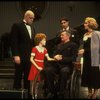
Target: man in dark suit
[22,36]
[65,54]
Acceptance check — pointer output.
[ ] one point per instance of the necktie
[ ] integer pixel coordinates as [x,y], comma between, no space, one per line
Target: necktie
[27,24]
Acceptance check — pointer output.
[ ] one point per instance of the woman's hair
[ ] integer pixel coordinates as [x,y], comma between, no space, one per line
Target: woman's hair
[92,23]
[38,38]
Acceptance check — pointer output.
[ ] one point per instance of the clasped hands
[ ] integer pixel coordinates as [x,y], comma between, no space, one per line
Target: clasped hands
[58,57]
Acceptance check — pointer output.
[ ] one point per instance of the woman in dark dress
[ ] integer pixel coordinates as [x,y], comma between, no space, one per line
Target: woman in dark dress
[90,52]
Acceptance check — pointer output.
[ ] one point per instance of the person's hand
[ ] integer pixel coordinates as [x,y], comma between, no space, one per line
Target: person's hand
[58,57]
[40,68]
[17,59]
[80,52]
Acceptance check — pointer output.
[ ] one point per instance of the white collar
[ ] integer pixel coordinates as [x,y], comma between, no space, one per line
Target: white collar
[40,49]
[66,28]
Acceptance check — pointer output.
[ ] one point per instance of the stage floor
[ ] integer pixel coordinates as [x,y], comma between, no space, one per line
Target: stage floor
[8,83]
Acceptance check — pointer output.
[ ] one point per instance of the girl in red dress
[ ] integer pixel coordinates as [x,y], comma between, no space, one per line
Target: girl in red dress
[39,52]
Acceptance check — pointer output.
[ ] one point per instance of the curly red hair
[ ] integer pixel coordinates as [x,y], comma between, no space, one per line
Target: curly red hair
[38,38]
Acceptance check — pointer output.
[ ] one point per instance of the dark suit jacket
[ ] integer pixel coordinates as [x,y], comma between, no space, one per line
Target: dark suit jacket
[21,44]
[69,53]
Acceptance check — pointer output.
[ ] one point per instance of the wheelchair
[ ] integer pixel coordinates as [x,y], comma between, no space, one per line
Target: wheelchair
[72,86]
[75,80]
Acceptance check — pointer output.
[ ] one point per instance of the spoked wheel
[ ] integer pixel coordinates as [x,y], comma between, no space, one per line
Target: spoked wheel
[75,84]
[75,88]
[78,84]
[72,88]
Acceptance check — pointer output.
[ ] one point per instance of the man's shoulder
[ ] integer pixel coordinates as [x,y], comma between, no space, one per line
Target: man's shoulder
[18,23]
[72,29]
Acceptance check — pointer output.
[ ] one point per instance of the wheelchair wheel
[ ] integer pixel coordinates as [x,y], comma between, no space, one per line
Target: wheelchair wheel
[75,84]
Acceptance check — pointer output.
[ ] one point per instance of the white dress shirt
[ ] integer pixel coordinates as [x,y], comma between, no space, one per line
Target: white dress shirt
[28,28]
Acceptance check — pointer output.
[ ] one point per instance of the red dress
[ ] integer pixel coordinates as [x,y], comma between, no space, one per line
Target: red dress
[39,60]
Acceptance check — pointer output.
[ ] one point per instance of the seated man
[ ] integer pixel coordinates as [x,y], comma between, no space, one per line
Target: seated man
[65,54]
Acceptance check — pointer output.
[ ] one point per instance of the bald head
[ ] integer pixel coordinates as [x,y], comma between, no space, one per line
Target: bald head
[29,16]
[28,13]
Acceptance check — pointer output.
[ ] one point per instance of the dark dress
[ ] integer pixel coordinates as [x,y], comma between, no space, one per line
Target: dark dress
[90,74]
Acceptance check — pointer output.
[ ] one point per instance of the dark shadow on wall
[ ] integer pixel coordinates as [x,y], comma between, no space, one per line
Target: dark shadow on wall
[37,7]
[5,48]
